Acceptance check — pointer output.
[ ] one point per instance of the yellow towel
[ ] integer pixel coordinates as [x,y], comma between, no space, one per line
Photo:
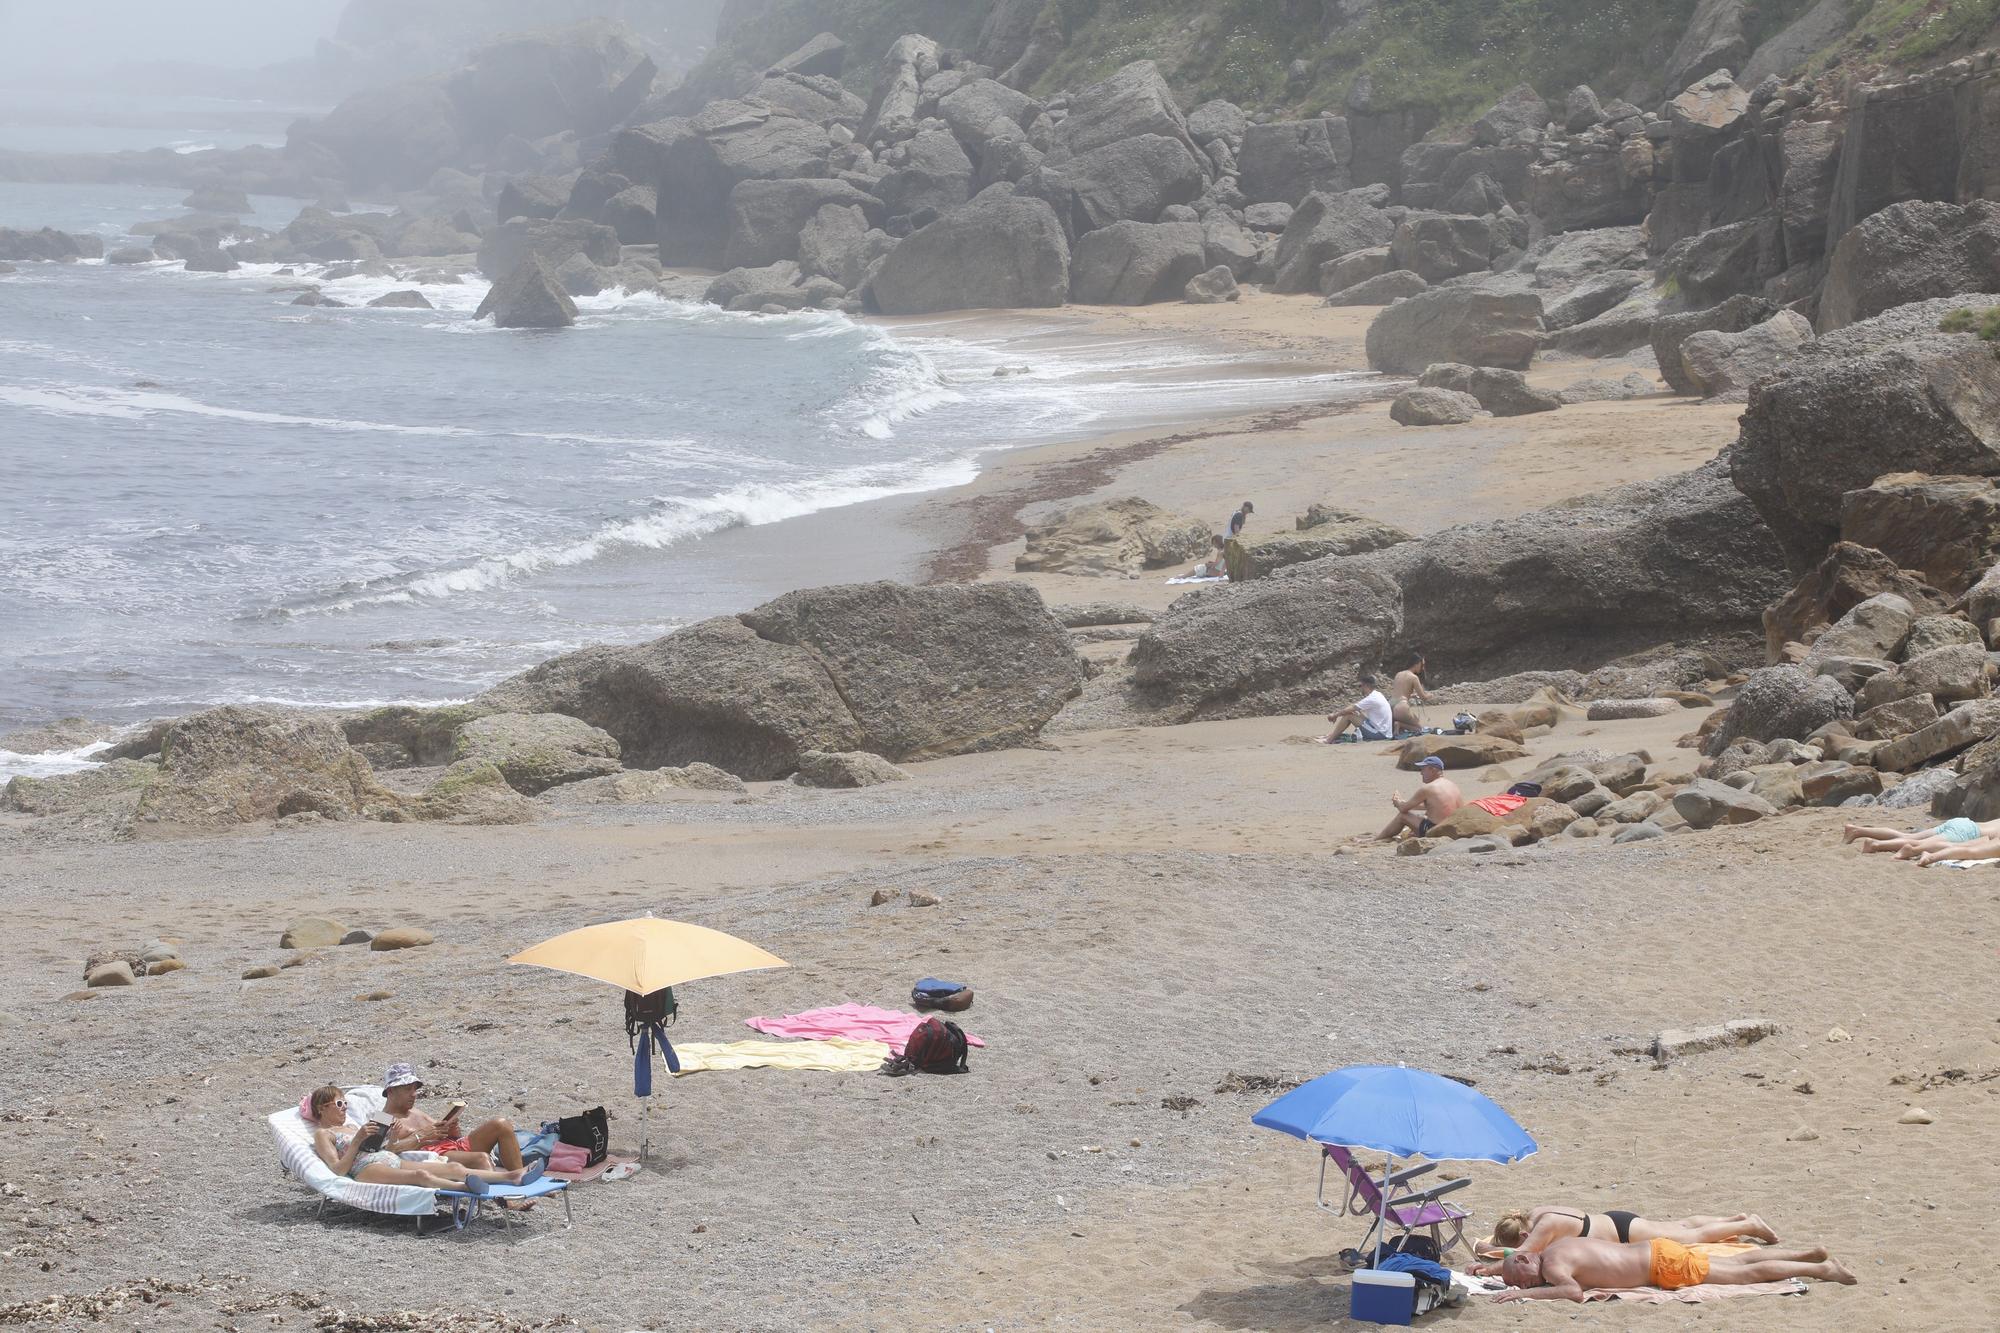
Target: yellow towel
[840,1055]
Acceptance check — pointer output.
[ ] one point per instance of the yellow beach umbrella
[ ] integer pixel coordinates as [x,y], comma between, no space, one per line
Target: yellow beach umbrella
[644,955]
[647,954]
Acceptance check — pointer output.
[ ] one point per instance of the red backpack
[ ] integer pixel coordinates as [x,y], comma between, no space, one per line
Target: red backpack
[936,1046]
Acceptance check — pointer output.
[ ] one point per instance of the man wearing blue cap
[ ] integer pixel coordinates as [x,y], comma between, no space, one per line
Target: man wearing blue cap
[1433,802]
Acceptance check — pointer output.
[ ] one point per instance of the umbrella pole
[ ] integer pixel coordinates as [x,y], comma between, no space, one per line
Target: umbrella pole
[1382,1217]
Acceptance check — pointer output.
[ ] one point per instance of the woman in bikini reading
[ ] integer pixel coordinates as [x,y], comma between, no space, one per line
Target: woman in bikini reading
[344,1150]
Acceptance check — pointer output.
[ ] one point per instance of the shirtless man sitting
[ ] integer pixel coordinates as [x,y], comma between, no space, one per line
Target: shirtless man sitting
[1437,800]
[1569,1269]
[413,1130]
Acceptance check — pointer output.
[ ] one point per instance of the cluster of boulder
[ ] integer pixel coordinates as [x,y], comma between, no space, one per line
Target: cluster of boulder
[828,685]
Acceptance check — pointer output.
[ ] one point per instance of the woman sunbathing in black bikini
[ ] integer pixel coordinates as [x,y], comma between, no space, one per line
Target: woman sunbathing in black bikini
[1539,1228]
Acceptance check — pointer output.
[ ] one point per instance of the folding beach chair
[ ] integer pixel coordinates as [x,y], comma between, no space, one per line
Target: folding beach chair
[498,1194]
[296,1158]
[1407,1211]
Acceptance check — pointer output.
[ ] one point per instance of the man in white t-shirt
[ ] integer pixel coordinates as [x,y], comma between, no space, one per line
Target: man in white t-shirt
[1370,713]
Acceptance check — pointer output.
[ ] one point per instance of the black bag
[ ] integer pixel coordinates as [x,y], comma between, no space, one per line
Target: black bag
[658,1007]
[590,1131]
[936,1046]
[1413,1243]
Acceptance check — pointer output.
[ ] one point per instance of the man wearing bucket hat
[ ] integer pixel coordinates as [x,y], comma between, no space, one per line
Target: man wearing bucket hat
[1433,802]
[414,1130]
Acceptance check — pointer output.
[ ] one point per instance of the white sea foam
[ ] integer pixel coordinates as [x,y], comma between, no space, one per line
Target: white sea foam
[679,520]
[53,763]
[89,400]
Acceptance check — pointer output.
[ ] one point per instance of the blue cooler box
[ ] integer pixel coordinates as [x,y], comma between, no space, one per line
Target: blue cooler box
[1383,1298]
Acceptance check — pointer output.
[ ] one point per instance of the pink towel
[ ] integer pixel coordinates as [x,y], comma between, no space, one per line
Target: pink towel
[862,1021]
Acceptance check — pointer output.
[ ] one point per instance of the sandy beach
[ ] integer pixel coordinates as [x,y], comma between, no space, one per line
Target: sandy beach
[1150,916]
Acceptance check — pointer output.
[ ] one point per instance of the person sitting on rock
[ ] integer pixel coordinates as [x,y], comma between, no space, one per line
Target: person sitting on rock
[1436,800]
[1370,713]
[345,1150]
[1538,1228]
[1950,837]
[1213,567]
[1409,683]
[414,1130]
[1570,1269]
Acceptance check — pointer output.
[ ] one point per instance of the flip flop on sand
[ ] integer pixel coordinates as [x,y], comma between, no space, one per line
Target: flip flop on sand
[476,1185]
[622,1171]
[534,1173]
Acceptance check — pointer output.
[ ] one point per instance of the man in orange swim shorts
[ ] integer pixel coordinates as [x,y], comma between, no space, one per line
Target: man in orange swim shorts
[1570,1269]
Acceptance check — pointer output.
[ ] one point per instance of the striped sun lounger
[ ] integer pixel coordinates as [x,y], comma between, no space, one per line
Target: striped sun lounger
[294,1137]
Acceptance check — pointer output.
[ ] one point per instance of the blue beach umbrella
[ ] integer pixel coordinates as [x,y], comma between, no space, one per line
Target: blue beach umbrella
[1399,1112]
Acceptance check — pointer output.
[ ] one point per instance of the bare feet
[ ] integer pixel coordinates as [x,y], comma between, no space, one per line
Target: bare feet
[1754,1227]
[1837,1272]
[1849,832]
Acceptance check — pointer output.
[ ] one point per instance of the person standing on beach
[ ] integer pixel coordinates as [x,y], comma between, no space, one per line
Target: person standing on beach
[1238,519]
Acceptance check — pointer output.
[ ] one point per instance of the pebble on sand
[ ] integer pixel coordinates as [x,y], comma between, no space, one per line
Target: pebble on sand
[164,966]
[1803,1134]
[918,898]
[312,932]
[1838,1034]
[400,937]
[373,995]
[259,972]
[1916,1115]
[118,973]
[356,937]
[880,898]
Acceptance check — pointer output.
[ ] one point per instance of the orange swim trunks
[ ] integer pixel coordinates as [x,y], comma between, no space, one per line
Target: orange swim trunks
[1676,1266]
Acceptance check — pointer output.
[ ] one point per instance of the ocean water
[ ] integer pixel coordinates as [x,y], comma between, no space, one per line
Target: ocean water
[211,495]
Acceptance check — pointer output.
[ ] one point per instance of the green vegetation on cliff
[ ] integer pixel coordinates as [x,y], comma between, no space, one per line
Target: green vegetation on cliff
[1304,56]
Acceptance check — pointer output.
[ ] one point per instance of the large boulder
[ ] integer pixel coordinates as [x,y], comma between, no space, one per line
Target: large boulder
[537,751]
[1278,645]
[1458,324]
[531,197]
[503,249]
[1440,247]
[1810,152]
[1950,674]
[903,672]
[838,243]
[715,692]
[66,792]
[936,670]
[1873,630]
[1382,289]
[1136,263]
[528,298]
[1520,113]
[1731,260]
[1284,161]
[1705,804]
[929,171]
[1945,528]
[1714,40]
[1890,394]
[1911,251]
[701,160]
[766,217]
[1847,577]
[1723,366]
[1134,179]
[1431,406]
[239,765]
[1574,585]
[1326,227]
[48,244]
[470,792]
[899,82]
[1781,701]
[1504,393]
[1337,532]
[1670,332]
[1134,101]
[997,251]
[393,136]
[1118,538]
[582,79]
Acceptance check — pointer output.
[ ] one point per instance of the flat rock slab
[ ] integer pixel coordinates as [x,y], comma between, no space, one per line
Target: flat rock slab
[1693,1041]
[1621,710]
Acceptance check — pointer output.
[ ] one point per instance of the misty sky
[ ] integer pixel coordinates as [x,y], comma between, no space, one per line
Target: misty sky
[38,37]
